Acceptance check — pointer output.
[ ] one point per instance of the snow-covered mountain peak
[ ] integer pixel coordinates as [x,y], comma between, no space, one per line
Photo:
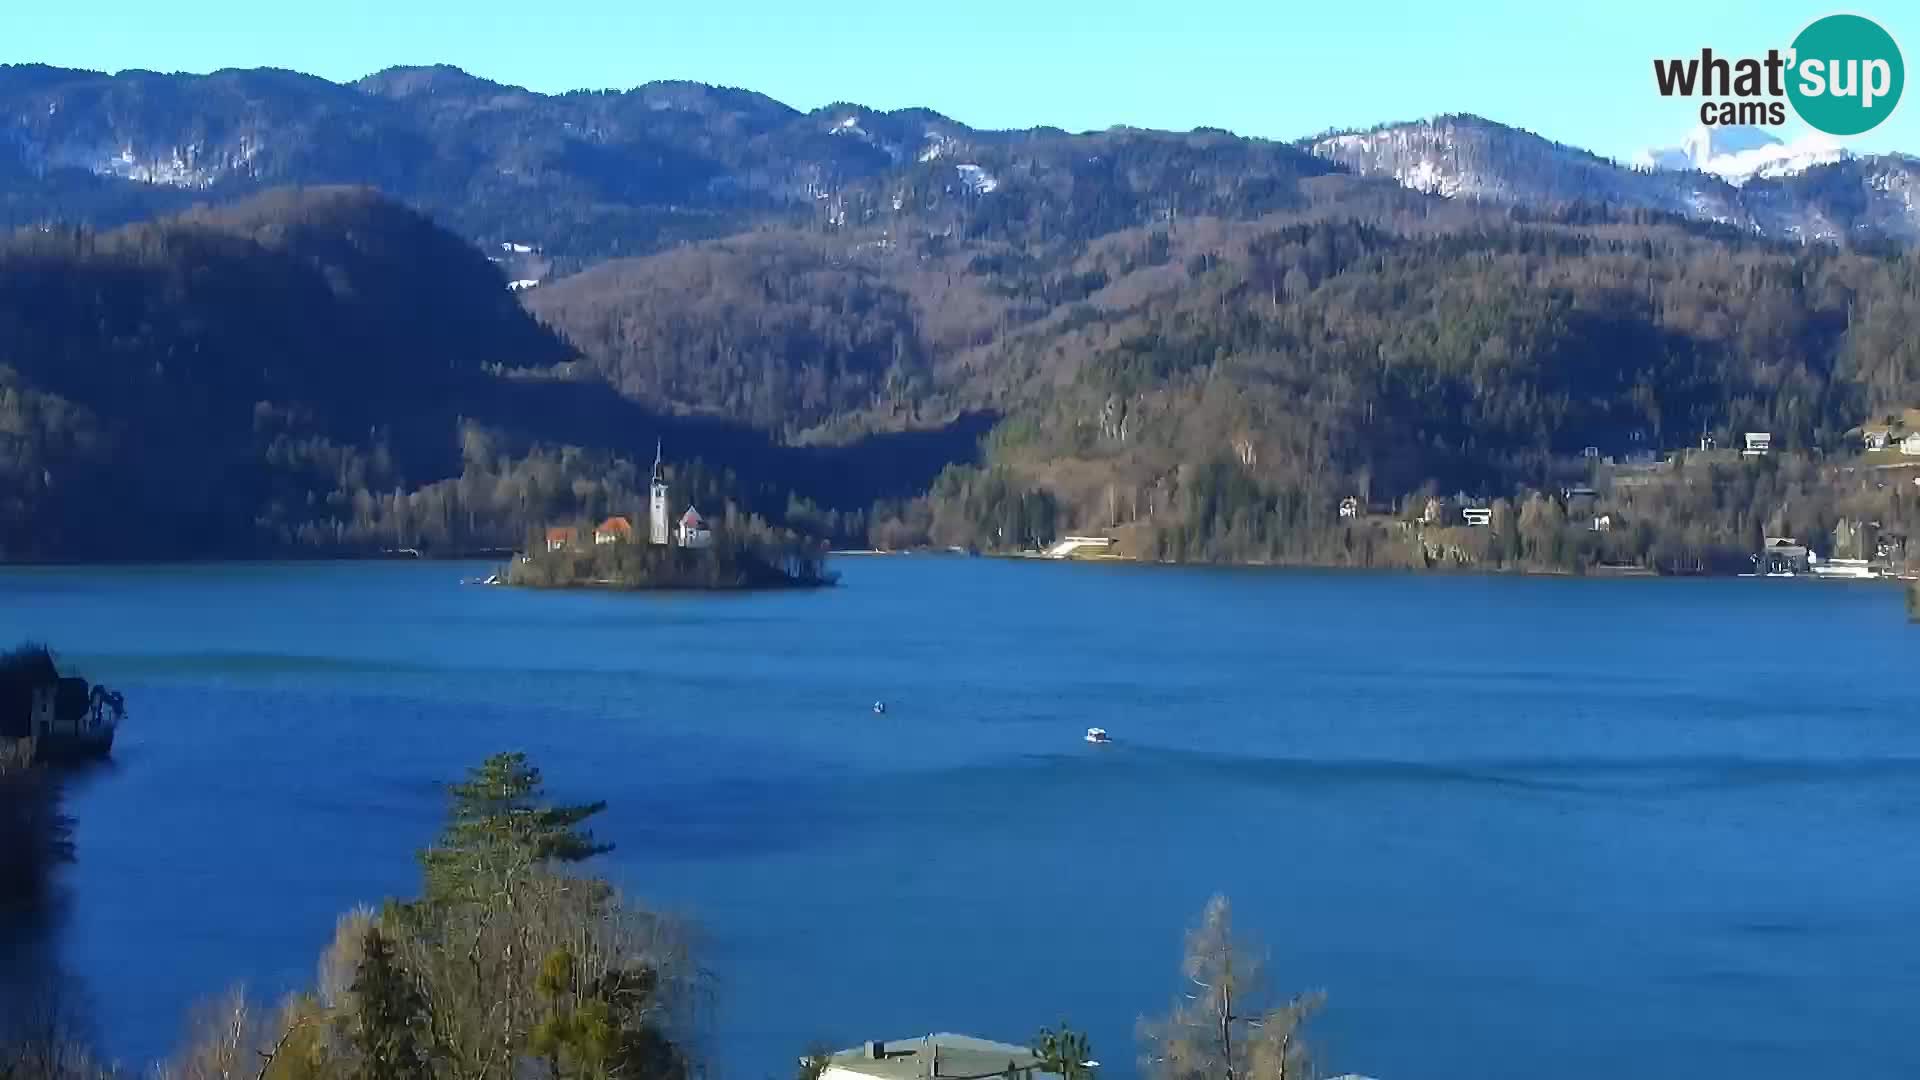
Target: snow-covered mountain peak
[1740,154]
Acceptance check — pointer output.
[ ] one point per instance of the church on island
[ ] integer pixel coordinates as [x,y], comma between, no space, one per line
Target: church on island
[691,531]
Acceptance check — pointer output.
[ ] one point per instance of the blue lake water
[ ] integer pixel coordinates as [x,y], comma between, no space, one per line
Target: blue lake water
[1514,827]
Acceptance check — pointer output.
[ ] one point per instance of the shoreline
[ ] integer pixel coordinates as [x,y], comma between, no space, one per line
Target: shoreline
[1596,572]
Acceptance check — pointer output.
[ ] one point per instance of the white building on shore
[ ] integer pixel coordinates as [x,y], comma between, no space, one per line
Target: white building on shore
[944,1056]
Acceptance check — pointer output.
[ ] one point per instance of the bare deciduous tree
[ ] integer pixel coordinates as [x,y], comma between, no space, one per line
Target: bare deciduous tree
[43,1032]
[1219,1027]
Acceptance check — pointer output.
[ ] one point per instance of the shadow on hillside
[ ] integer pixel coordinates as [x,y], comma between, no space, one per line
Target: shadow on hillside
[888,465]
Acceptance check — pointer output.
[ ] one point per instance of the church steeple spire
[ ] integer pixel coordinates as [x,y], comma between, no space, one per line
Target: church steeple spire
[658,530]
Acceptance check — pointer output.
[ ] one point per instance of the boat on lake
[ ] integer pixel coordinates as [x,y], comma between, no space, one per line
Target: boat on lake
[1098,735]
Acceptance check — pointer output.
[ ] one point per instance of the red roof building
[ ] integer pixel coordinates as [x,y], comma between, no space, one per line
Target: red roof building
[613,530]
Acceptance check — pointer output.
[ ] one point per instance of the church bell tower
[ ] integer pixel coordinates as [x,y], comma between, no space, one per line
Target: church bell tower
[657,507]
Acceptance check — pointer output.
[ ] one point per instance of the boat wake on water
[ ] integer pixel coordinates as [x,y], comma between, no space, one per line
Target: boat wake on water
[1568,774]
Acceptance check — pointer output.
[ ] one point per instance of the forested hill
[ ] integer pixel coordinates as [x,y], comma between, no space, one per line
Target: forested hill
[1228,384]
[328,371]
[1212,387]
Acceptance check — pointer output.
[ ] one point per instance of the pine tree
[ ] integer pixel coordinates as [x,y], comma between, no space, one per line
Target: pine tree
[498,827]
[390,1015]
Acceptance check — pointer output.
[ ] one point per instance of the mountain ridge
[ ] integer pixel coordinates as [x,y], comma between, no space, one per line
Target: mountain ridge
[587,175]
[1466,155]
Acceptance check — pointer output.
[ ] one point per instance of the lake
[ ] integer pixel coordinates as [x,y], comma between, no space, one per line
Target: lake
[1515,828]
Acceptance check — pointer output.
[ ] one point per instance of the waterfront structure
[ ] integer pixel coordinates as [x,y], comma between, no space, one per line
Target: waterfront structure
[58,717]
[1782,556]
[1845,568]
[614,530]
[1069,545]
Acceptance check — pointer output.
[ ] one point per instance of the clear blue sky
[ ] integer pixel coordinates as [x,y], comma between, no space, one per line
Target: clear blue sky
[1576,72]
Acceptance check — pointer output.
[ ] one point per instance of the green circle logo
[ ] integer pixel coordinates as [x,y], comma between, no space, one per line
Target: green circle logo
[1847,74]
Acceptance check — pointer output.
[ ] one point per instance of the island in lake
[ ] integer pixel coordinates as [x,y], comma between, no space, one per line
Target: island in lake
[742,553]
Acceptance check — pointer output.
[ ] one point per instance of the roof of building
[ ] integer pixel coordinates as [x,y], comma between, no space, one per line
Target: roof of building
[913,1059]
[559,532]
[615,524]
[692,518]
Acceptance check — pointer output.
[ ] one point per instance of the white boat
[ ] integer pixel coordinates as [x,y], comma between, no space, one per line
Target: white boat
[879,708]
[1098,735]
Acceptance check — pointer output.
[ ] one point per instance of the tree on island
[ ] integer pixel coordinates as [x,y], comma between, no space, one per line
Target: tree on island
[759,557]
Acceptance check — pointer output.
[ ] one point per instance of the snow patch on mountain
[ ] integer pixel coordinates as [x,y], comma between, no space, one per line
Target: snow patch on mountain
[188,166]
[976,179]
[937,146]
[1428,177]
[1740,154]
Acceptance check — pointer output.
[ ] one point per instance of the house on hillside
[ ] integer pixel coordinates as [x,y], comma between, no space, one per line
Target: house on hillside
[1758,443]
[1601,523]
[614,530]
[1349,507]
[1875,439]
[1910,445]
[1477,517]
[558,538]
[693,531]
[1579,498]
[933,1057]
